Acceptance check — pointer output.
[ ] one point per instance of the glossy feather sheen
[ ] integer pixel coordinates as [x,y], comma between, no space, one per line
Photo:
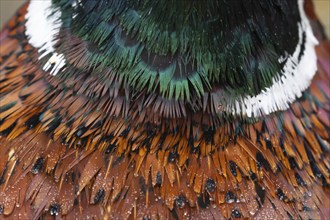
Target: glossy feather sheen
[76,147]
[239,61]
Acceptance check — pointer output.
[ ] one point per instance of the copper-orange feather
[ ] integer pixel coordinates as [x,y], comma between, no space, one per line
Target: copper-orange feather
[76,147]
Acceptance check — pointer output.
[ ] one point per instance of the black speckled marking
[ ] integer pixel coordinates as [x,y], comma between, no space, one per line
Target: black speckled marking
[210,185]
[235,213]
[99,196]
[300,180]
[38,165]
[230,197]
[180,201]
[159,179]
[233,167]
[280,194]
[54,209]
[203,202]
[260,192]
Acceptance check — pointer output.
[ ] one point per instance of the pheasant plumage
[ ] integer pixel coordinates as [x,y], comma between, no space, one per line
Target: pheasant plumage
[164,110]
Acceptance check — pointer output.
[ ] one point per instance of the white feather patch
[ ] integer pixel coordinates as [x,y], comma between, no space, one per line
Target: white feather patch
[42,26]
[297,76]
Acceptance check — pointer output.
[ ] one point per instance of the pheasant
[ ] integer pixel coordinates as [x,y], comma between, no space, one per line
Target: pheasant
[142,109]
